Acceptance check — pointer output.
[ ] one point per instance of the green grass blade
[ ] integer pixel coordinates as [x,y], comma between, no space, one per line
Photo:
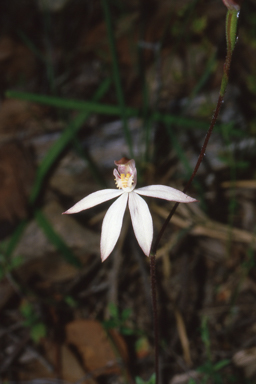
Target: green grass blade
[47,163]
[205,76]
[179,151]
[105,109]
[31,46]
[184,160]
[54,153]
[57,102]
[61,144]
[56,240]
[11,244]
[145,113]
[84,154]
[116,75]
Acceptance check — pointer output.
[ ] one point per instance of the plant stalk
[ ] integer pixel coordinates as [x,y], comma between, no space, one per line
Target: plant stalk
[154,309]
[231,36]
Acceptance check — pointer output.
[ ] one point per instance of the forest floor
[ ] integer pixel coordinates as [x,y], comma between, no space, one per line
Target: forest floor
[82,84]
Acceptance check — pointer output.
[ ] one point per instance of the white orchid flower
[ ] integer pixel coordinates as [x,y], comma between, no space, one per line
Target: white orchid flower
[126,180]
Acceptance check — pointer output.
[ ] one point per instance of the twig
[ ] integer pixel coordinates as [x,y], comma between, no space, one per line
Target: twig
[17,350]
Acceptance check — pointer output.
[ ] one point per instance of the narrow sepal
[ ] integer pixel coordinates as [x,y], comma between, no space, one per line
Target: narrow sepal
[94,199]
[111,226]
[141,221]
[165,192]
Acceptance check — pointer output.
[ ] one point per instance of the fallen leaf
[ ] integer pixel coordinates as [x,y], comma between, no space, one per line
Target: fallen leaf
[71,369]
[6,292]
[18,117]
[185,378]
[82,240]
[99,353]
[16,60]
[246,359]
[16,174]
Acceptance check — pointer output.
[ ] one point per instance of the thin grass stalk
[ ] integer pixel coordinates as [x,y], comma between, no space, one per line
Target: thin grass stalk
[116,75]
[107,109]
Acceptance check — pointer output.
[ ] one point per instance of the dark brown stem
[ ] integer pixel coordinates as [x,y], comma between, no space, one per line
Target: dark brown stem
[199,161]
[154,308]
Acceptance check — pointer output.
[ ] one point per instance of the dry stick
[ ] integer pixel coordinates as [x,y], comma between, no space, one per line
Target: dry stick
[231,30]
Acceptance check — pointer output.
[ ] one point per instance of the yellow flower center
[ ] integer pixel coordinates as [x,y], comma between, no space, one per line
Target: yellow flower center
[125,181]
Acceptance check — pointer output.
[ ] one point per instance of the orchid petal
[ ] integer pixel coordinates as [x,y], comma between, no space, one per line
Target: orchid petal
[166,193]
[94,199]
[141,222]
[112,224]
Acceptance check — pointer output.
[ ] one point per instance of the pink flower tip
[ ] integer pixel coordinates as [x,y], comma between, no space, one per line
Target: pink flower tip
[234,5]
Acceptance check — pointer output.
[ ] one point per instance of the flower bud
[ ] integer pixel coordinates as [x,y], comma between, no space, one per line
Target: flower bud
[233,5]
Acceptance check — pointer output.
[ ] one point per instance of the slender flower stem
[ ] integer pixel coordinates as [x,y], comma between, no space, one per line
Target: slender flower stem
[154,308]
[231,35]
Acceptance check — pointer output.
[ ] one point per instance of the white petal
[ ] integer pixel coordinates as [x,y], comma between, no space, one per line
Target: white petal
[94,199]
[141,222]
[164,192]
[111,226]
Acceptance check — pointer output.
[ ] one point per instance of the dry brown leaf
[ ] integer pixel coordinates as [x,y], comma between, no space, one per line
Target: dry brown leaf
[246,359]
[183,337]
[33,367]
[33,370]
[6,292]
[17,117]
[208,228]
[51,5]
[249,184]
[16,174]
[96,349]
[94,40]
[184,378]
[71,369]
[82,240]
[16,60]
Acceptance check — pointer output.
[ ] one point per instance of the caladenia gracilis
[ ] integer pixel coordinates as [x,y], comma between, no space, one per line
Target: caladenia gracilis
[126,180]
